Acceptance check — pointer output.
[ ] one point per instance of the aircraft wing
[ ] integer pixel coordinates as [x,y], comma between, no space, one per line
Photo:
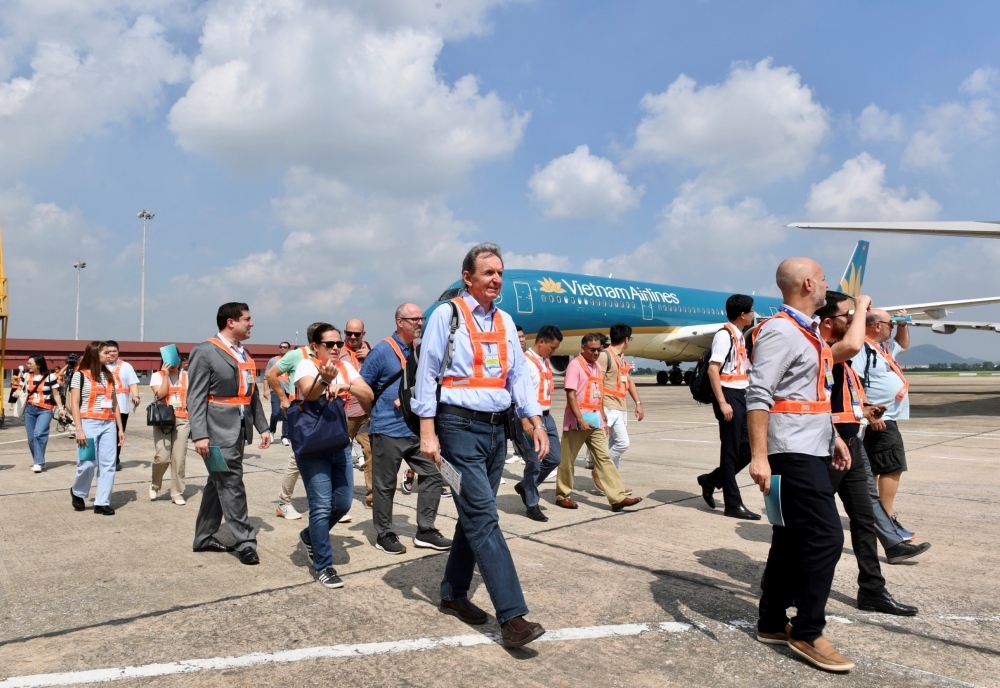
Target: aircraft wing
[950,326]
[939,309]
[977,229]
[697,335]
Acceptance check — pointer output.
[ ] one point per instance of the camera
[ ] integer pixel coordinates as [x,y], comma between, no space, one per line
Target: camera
[71,362]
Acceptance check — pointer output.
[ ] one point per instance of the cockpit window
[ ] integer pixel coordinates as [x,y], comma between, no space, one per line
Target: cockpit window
[450,294]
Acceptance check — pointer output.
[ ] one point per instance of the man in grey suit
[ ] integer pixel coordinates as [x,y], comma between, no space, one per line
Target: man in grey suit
[224,408]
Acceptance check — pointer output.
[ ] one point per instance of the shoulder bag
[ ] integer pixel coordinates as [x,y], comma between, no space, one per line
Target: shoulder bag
[317,428]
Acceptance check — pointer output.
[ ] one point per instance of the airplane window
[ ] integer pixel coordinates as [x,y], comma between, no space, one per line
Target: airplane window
[572,299]
[558,299]
[450,294]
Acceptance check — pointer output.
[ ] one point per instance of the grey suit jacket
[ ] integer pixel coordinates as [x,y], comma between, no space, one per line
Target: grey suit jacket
[212,372]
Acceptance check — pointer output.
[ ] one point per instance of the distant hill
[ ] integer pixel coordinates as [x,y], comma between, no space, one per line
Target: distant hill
[925,354]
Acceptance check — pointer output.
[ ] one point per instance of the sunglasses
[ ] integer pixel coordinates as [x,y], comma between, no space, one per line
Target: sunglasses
[282,348]
[354,334]
[330,345]
[594,351]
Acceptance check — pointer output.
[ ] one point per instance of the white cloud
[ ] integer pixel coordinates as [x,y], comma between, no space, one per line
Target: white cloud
[857,191]
[980,82]
[581,185]
[539,261]
[307,83]
[875,124]
[761,124]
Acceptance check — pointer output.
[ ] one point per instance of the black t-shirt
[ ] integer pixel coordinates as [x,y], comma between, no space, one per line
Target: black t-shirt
[845,430]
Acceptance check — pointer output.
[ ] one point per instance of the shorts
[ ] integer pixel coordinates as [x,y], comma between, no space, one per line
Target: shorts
[885,450]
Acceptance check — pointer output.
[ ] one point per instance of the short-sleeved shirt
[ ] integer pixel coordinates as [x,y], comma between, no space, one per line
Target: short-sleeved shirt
[82,383]
[610,371]
[127,374]
[285,384]
[883,382]
[156,379]
[723,348]
[354,409]
[577,380]
[44,384]
[307,368]
[291,360]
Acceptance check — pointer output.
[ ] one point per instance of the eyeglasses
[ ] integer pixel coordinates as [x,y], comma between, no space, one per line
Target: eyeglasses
[594,351]
[354,334]
[282,348]
[417,319]
[887,323]
[840,315]
[330,345]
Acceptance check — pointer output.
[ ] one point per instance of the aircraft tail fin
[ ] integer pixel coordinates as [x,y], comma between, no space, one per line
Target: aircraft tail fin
[854,275]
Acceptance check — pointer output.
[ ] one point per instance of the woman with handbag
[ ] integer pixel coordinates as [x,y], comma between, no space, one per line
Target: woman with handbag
[16,379]
[41,390]
[327,474]
[169,385]
[98,420]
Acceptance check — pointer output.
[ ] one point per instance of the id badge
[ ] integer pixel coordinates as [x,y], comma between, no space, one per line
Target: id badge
[491,359]
[248,379]
[595,393]
[107,403]
[175,400]
[624,379]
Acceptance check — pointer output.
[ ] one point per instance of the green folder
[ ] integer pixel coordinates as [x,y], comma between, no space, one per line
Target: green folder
[215,462]
[87,453]
[772,502]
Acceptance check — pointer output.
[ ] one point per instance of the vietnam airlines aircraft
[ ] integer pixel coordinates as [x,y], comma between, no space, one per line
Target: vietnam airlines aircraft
[669,323]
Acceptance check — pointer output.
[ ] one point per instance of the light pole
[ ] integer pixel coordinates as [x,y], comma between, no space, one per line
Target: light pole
[79,268]
[144,215]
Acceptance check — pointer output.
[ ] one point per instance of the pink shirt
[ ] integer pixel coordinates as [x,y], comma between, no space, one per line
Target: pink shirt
[576,380]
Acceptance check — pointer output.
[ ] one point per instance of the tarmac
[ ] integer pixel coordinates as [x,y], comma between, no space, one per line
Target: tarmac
[663,594]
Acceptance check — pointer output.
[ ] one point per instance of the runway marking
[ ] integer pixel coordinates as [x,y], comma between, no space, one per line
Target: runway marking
[956,435]
[955,458]
[952,617]
[673,439]
[931,673]
[326,652]
[58,434]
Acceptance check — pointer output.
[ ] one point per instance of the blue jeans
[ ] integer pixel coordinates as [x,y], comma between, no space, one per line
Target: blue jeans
[36,423]
[329,485]
[276,414]
[105,436]
[477,450]
[536,471]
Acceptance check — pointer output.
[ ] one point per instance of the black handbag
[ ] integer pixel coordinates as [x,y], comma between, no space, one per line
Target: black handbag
[317,428]
[160,415]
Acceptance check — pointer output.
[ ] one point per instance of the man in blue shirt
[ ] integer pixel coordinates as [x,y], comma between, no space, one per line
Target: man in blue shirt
[392,441]
[463,422]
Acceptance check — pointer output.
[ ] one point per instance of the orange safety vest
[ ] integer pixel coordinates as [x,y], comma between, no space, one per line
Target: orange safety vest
[247,371]
[121,387]
[180,389]
[894,365]
[93,412]
[741,360]
[480,340]
[399,352]
[621,378]
[851,393]
[545,383]
[36,397]
[825,370]
[15,382]
[593,399]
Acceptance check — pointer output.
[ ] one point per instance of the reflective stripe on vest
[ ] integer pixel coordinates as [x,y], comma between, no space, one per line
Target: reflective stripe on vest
[894,366]
[36,395]
[852,398]
[481,340]
[823,373]
[342,373]
[247,373]
[741,360]
[178,391]
[621,377]
[592,400]
[106,411]
[545,379]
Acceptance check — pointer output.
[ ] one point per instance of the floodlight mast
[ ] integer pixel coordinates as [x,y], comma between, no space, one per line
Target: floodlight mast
[144,215]
[79,268]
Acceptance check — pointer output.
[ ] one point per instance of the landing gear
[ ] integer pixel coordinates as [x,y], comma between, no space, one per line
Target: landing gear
[662,377]
[676,374]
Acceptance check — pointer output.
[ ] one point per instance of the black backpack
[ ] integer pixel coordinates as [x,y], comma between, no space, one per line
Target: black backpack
[408,382]
[701,385]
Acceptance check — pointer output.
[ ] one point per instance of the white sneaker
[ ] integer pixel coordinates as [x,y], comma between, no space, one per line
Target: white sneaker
[152,493]
[285,442]
[513,458]
[179,501]
[346,518]
[503,481]
[36,468]
[287,511]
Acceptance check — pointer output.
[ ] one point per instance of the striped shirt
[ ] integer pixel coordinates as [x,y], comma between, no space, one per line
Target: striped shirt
[82,383]
[44,384]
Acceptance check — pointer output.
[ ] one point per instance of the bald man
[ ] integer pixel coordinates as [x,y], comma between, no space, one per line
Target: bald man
[792,436]
[355,350]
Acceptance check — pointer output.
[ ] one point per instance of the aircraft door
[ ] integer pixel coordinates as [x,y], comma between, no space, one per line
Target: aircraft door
[647,309]
[525,303]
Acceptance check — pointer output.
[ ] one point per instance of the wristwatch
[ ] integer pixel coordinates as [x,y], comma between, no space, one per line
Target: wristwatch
[537,427]
[324,383]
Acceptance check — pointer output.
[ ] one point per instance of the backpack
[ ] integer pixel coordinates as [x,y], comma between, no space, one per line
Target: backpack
[408,381]
[701,385]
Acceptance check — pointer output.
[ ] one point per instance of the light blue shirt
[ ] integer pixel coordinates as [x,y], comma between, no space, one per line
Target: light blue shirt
[883,382]
[432,350]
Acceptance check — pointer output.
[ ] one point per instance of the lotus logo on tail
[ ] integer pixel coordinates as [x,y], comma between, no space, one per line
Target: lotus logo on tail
[851,284]
[550,286]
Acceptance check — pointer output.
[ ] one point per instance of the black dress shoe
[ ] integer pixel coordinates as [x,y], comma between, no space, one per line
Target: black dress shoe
[742,512]
[248,556]
[118,466]
[519,632]
[707,490]
[465,610]
[519,489]
[213,545]
[103,510]
[78,502]
[904,551]
[535,514]
[883,603]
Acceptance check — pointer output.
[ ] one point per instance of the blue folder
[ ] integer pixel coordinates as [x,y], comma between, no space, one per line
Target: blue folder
[215,462]
[87,453]
[171,356]
[772,502]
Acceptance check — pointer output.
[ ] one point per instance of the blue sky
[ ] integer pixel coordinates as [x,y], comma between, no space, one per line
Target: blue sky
[332,159]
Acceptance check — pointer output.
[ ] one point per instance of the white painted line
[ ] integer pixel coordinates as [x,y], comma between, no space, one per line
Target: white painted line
[952,617]
[58,434]
[955,458]
[324,651]
[931,673]
[838,619]
[673,439]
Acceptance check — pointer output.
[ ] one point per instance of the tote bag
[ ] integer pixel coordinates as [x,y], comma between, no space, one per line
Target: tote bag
[317,428]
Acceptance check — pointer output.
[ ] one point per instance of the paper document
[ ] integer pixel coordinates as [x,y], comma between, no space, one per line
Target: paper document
[215,462]
[87,453]
[451,476]
[772,502]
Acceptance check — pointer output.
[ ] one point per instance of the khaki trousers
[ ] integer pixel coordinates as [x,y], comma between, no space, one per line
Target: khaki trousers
[353,425]
[171,451]
[597,442]
[288,482]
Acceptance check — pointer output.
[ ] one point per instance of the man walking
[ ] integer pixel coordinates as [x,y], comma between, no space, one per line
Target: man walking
[127,387]
[224,408]
[278,413]
[392,441]
[536,469]
[728,368]
[791,435]
[617,384]
[356,351]
[467,380]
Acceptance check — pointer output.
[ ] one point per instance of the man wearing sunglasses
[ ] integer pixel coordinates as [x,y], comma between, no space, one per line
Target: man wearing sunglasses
[276,412]
[355,350]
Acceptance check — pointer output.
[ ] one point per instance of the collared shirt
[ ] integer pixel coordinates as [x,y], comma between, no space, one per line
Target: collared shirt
[432,352]
[786,366]
[127,374]
[725,347]
[883,382]
[535,376]
[241,354]
[285,384]
[380,365]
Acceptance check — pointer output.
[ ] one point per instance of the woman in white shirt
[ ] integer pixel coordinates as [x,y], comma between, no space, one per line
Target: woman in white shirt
[169,385]
[329,480]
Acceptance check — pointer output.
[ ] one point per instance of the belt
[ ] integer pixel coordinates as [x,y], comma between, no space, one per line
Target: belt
[497,418]
[546,413]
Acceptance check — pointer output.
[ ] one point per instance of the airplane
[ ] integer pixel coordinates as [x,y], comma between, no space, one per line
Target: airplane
[669,323]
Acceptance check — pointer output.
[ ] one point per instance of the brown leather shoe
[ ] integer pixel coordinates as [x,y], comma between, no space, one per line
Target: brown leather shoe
[597,482]
[465,610]
[567,503]
[628,501]
[820,653]
[779,638]
[518,632]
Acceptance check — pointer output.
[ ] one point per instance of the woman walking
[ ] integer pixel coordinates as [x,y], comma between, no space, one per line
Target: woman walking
[169,385]
[329,480]
[16,380]
[98,419]
[42,389]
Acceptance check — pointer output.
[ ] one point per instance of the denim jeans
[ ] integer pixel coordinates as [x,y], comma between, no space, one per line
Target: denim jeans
[535,471]
[477,450]
[105,436]
[276,414]
[36,423]
[329,485]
